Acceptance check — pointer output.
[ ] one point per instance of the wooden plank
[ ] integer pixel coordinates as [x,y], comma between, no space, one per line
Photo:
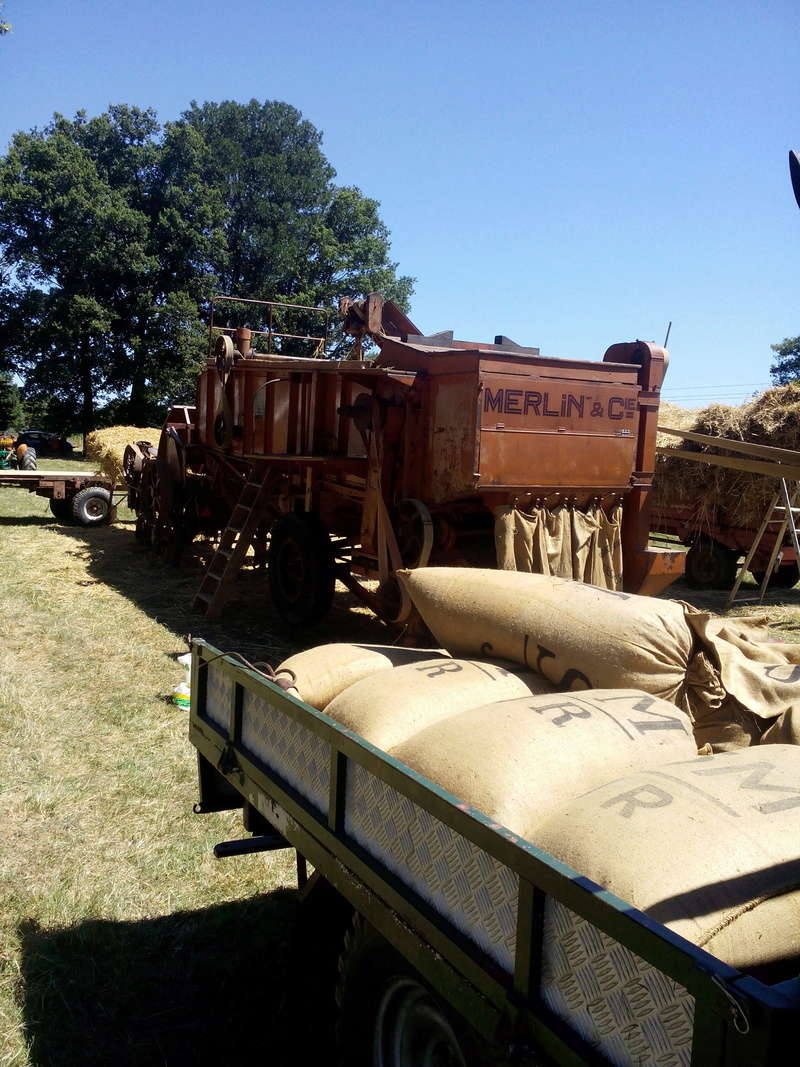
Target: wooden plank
[750,466]
[50,475]
[747,448]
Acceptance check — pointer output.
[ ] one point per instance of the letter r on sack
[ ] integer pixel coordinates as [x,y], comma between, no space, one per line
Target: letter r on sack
[644,796]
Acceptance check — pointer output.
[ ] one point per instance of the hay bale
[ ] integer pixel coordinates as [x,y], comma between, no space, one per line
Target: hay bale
[108,446]
[715,495]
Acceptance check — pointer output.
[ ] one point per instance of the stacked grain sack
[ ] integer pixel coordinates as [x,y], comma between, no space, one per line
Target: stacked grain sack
[729,826]
[107,447]
[522,715]
[725,674]
[535,746]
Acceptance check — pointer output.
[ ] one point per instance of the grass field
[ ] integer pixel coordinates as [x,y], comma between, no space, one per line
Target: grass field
[122,941]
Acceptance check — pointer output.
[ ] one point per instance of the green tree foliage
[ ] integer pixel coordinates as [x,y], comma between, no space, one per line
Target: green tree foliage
[105,233]
[786,367]
[5,27]
[11,413]
[114,232]
[291,234]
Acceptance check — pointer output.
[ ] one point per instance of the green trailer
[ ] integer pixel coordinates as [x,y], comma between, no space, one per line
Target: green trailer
[458,942]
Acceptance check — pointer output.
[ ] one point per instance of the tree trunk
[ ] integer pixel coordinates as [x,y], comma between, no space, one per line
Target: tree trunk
[137,401]
[87,393]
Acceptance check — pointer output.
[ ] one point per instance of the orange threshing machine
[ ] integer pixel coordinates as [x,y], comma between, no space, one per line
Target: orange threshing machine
[353,468]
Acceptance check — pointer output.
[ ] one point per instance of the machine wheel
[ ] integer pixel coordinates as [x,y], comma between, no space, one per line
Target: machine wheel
[785,577]
[710,565]
[300,566]
[92,506]
[61,509]
[27,461]
[386,1016]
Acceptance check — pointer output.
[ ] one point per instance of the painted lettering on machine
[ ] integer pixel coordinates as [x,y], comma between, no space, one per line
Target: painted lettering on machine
[551,402]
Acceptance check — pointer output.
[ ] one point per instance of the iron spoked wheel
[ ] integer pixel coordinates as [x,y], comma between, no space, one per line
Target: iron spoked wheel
[710,565]
[386,1016]
[301,571]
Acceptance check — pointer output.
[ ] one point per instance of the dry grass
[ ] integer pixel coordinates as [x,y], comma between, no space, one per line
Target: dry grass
[717,495]
[121,939]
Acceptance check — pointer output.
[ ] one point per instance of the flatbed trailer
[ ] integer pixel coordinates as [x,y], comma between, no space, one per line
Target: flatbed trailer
[84,498]
[512,954]
[715,548]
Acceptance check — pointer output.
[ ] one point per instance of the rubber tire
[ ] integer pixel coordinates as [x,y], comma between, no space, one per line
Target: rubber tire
[301,541]
[368,969]
[710,565]
[92,506]
[27,461]
[785,577]
[61,509]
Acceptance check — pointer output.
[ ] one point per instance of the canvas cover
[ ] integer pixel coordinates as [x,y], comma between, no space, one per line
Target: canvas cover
[565,542]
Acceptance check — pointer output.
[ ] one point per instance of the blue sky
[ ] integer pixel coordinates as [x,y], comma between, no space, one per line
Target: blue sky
[570,175]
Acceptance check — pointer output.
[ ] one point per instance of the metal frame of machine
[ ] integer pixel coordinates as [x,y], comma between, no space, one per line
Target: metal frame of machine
[354,468]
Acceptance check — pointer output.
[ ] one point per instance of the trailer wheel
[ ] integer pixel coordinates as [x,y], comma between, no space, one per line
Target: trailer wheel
[61,509]
[300,569]
[91,506]
[710,565]
[785,577]
[386,1015]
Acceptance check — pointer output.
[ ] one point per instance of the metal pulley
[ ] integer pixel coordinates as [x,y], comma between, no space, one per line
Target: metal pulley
[224,355]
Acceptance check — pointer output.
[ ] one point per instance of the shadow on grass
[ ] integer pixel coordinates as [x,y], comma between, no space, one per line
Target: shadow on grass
[193,988]
[248,622]
[26,520]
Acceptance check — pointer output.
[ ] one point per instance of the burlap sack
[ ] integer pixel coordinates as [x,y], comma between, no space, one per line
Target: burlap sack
[725,728]
[785,730]
[321,673]
[761,674]
[710,848]
[518,760]
[577,636]
[387,708]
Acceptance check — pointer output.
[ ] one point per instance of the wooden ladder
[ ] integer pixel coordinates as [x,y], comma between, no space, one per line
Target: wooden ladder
[236,538]
[781,513]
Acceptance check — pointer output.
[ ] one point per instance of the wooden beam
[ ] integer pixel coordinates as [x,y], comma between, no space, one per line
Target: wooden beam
[750,466]
[747,448]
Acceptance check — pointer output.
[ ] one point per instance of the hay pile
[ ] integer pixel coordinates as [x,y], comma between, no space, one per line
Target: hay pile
[108,446]
[726,496]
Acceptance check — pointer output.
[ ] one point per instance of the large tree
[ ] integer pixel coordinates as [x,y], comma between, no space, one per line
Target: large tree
[291,234]
[115,232]
[11,413]
[106,231]
[786,367]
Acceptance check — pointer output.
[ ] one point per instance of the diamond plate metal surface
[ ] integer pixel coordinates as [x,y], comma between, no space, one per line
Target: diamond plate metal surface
[616,1001]
[293,751]
[477,893]
[219,695]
